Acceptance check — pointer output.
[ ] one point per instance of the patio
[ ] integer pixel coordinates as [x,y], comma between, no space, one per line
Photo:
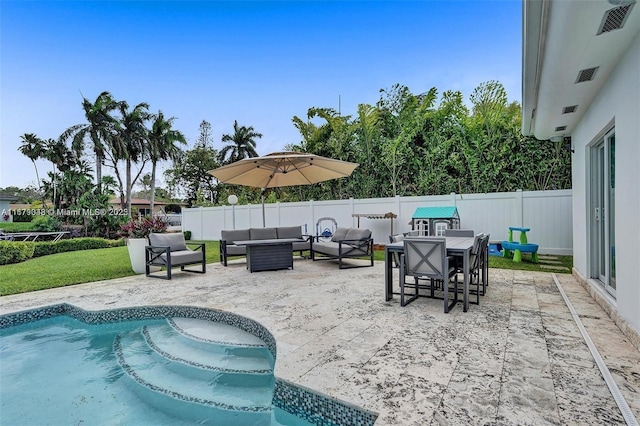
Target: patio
[517,358]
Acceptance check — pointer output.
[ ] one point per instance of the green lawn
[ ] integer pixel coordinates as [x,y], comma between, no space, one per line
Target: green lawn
[16,226]
[79,267]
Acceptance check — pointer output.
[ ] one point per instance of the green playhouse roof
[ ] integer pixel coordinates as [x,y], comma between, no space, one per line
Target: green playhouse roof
[435,213]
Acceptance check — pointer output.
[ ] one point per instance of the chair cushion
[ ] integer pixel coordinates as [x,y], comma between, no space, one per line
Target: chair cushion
[289,232]
[175,241]
[357,234]
[339,234]
[263,234]
[235,235]
[184,256]
[328,247]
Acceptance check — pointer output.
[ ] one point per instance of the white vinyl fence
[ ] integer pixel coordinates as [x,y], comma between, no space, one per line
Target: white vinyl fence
[547,213]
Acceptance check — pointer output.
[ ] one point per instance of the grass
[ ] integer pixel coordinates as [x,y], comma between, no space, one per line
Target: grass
[16,226]
[104,264]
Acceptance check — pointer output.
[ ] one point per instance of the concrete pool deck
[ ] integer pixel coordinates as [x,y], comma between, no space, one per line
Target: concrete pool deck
[517,358]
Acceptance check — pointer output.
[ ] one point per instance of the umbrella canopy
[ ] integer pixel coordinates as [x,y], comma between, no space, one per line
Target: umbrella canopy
[283,169]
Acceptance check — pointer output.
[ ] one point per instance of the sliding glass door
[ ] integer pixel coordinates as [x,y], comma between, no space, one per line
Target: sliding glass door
[602,212]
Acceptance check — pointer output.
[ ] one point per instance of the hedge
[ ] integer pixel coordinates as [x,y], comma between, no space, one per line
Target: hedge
[17,251]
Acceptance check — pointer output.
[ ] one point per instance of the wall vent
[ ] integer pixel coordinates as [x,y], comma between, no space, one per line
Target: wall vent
[561,128]
[587,74]
[569,109]
[615,18]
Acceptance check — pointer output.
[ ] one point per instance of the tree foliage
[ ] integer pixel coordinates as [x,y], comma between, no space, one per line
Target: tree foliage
[410,145]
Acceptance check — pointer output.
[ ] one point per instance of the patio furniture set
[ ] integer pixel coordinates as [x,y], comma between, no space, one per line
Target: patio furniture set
[272,248]
[434,263]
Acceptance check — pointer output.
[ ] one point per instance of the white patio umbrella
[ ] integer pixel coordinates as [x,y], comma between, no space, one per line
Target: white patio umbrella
[282,169]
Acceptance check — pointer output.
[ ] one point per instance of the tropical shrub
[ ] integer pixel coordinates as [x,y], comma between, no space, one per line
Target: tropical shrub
[45,224]
[141,228]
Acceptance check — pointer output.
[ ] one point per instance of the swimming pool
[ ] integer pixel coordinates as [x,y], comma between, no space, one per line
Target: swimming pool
[151,365]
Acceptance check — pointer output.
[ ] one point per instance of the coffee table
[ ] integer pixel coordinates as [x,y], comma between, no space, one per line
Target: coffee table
[269,255]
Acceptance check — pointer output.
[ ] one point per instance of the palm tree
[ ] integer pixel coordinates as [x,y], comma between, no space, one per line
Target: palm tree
[129,144]
[101,127]
[61,158]
[162,146]
[243,144]
[33,148]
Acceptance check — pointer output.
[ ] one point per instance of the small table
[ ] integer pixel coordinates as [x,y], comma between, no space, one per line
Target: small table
[269,255]
[456,246]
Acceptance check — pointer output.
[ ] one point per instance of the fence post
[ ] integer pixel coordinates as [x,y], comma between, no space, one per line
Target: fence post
[453,199]
[201,223]
[519,208]
[313,217]
[399,210]
[278,212]
[352,205]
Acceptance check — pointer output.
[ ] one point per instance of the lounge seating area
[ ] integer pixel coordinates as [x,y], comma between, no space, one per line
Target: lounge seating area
[346,243]
[228,238]
[170,250]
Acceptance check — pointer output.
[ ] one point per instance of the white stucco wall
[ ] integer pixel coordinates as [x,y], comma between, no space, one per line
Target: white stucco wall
[619,100]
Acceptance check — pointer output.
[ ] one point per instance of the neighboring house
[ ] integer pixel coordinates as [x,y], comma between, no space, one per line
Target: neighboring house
[142,205]
[581,85]
[5,208]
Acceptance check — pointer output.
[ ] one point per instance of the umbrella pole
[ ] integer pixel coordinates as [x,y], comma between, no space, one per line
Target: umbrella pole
[263,218]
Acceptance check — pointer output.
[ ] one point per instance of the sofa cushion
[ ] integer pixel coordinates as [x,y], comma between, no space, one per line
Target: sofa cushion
[174,241]
[339,234]
[263,234]
[234,250]
[235,235]
[289,231]
[302,246]
[358,234]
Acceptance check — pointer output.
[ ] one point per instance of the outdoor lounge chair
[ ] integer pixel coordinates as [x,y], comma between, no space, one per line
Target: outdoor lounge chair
[170,250]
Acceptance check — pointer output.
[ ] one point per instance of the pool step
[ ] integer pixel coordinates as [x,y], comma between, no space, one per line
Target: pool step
[209,356]
[228,389]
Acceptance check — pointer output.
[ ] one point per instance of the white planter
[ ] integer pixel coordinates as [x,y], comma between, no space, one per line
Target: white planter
[136,255]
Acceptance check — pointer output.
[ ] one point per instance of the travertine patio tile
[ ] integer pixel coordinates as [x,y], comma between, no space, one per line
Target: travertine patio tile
[516,358]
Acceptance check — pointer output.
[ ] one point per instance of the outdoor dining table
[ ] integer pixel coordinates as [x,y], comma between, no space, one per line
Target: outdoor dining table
[456,246]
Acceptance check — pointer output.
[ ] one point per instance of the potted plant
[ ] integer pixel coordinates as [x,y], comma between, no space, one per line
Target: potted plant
[136,232]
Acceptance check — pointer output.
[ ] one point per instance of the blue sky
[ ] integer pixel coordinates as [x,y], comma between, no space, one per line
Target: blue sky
[259,63]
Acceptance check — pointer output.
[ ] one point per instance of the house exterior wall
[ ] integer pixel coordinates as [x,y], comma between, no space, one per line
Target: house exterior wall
[617,103]
[5,209]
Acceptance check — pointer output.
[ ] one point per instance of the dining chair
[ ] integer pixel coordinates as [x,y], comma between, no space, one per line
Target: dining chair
[425,258]
[484,263]
[457,261]
[459,233]
[396,239]
[478,264]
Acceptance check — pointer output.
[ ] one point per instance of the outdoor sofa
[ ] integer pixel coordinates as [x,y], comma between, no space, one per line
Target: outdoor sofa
[227,238]
[170,250]
[346,243]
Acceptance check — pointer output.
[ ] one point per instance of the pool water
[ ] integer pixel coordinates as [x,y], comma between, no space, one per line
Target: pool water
[177,371]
